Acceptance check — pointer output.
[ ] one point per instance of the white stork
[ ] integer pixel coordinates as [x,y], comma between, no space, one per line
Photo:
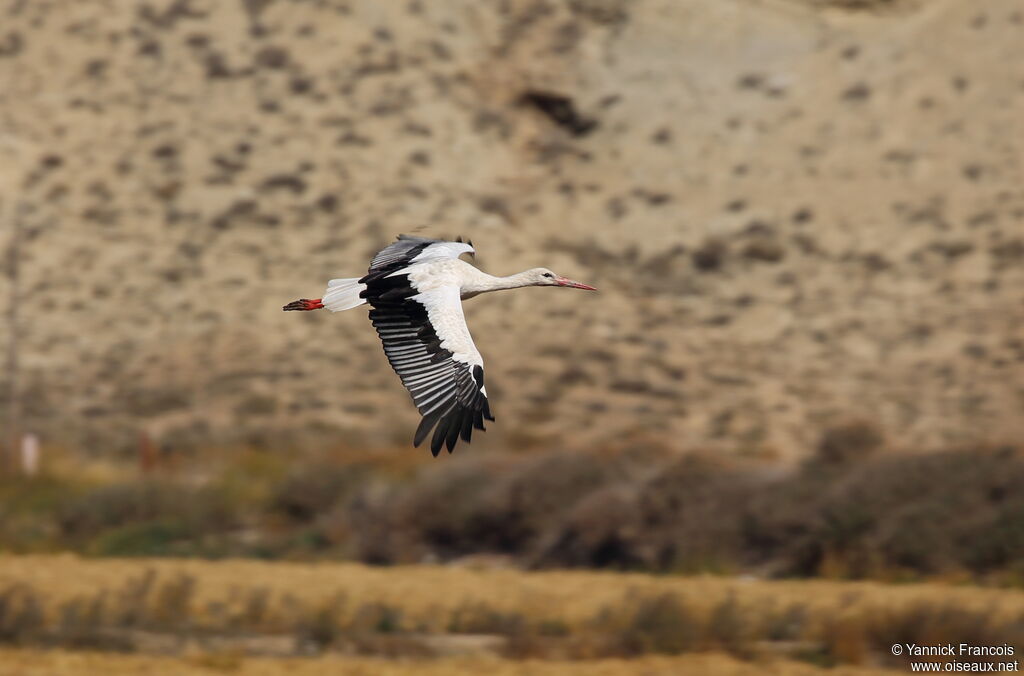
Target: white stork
[416,287]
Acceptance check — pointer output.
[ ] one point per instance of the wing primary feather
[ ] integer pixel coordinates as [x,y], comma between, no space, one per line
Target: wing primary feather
[440,433]
[454,428]
[429,394]
[435,402]
[424,427]
[467,426]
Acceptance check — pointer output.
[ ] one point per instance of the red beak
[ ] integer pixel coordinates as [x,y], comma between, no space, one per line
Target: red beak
[563,281]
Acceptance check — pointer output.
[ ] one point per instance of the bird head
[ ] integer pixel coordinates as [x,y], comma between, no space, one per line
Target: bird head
[545,277]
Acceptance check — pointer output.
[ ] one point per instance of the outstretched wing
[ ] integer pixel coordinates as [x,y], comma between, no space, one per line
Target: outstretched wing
[428,344]
[408,250]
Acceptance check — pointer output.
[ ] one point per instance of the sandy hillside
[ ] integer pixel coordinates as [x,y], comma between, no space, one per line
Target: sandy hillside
[798,213]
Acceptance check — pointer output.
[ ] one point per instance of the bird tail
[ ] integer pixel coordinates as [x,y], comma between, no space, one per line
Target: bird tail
[343,294]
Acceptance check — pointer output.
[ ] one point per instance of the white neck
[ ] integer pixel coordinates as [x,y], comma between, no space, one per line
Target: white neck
[485,282]
[516,281]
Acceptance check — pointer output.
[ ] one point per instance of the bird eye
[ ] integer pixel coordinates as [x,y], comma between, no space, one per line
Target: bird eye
[548,275]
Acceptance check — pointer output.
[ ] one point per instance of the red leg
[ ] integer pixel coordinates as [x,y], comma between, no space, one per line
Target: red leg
[304,304]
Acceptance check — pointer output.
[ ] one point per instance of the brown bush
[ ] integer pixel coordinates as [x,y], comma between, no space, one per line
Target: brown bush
[21,615]
[437,515]
[848,443]
[936,623]
[601,531]
[692,513]
[481,618]
[313,490]
[927,514]
[685,516]
[855,514]
[851,511]
[529,501]
[479,506]
[659,624]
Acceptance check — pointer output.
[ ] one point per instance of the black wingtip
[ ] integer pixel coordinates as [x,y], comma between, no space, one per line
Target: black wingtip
[440,433]
[447,425]
[426,425]
[454,430]
[423,430]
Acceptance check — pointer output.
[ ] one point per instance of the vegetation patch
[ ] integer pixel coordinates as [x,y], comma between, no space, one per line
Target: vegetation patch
[414,612]
[851,511]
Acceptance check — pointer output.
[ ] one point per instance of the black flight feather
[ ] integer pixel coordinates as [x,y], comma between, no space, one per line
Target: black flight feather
[454,428]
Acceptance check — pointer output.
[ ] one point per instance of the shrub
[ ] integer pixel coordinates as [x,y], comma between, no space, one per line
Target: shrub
[658,624]
[150,538]
[935,623]
[928,514]
[602,531]
[172,603]
[481,618]
[83,625]
[532,499]
[728,629]
[477,506]
[320,626]
[130,606]
[21,615]
[438,515]
[144,518]
[848,512]
[376,618]
[848,443]
[120,504]
[312,491]
[998,544]
[691,514]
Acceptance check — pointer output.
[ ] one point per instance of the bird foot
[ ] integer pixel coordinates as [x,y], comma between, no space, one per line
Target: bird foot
[304,304]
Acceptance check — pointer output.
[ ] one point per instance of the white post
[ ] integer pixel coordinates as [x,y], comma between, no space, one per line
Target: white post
[30,455]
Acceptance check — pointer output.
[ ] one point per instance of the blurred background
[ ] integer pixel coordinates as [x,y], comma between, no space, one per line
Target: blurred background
[806,359]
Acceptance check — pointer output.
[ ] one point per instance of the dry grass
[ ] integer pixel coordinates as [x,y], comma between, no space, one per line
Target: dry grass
[248,608]
[427,594]
[60,663]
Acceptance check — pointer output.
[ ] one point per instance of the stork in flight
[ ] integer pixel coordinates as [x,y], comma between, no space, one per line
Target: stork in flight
[416,287]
